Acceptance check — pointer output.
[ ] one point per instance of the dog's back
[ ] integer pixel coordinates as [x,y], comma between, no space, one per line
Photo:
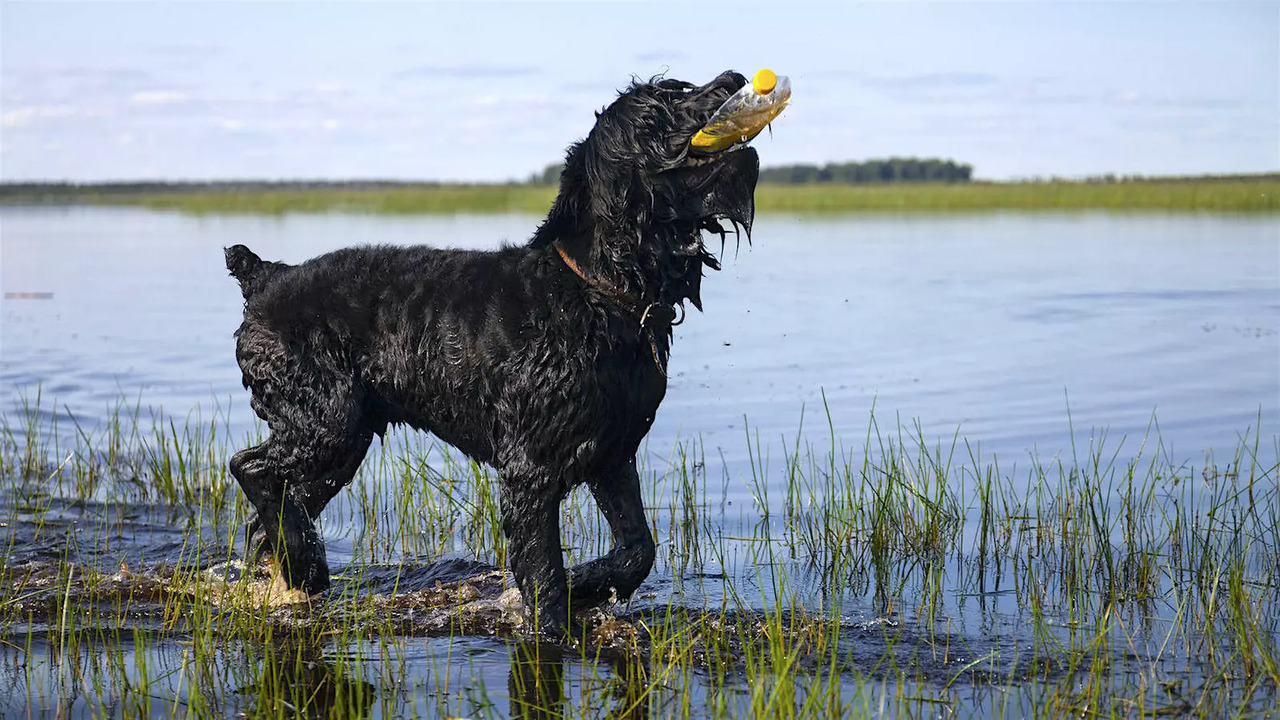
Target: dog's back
[437,339]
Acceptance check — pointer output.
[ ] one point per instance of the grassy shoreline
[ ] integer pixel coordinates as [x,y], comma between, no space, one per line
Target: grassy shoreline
[1237,194]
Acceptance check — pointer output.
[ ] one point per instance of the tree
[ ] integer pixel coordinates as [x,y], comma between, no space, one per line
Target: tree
[886,170]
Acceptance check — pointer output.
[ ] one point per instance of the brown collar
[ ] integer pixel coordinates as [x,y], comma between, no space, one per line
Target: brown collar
[650,315]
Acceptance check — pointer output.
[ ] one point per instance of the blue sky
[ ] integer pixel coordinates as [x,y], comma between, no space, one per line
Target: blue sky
[487,91]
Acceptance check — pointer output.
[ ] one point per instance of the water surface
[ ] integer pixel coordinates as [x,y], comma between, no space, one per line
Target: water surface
[989,326]
[1005,337]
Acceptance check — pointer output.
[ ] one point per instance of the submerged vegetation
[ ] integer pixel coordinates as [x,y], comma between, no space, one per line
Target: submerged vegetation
[1257,193]
[896,577]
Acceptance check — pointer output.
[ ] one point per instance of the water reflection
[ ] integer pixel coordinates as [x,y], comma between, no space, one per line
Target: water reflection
[537,683]
[296,678]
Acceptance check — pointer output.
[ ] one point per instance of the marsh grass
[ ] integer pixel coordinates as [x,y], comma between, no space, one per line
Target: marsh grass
[901,576]
[1236,194]
[1260,195]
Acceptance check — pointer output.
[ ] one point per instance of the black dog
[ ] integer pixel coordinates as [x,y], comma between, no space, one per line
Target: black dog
[546,361]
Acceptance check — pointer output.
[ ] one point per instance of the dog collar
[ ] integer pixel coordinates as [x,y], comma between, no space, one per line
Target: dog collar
[652,316]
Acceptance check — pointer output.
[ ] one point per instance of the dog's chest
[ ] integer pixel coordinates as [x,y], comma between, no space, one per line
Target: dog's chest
[609,406]
[640,393]
[609,397]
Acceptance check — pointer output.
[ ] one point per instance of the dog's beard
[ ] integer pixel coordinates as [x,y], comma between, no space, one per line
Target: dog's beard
[732,195]
[717,191]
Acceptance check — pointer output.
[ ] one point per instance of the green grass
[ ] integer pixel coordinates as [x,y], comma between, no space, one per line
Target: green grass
[1228,195]
[393,201]
[1202,196]
[886,575]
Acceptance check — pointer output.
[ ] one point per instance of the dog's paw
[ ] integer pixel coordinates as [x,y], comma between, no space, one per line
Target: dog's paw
[279,594]
[511,601]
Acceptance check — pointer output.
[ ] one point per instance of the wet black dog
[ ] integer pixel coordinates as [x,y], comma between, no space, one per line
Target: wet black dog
[546,361]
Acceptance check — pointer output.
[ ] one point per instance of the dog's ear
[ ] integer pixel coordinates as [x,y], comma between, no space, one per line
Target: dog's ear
[562,220]
[597,187]
[580,204]
[608,184]
[608,156]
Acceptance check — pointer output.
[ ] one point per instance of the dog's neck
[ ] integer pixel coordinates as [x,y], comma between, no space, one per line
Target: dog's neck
[646,251]
[653,315]
[655,318]
[645,264]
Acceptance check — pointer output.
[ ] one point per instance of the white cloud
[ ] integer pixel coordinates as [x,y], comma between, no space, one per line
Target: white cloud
[157,97]
[518,104]
[17,118]
[29,115]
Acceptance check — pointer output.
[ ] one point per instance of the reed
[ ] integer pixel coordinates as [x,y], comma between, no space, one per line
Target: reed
[897,577]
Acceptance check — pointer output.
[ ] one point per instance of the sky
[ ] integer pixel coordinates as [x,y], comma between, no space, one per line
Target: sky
[492,92]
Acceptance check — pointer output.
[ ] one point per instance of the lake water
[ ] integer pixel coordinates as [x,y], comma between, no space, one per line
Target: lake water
[1014,334]
[992,326]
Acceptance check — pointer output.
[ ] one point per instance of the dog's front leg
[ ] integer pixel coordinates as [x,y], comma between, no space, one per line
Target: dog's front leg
[531,523]
[628,563]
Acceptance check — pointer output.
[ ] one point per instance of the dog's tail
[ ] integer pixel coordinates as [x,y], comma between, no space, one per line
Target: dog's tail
[250,270]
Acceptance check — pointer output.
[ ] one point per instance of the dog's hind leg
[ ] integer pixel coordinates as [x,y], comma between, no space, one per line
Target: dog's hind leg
[280,524]
[626,565]
[255,538]
[291,477]
[315,407]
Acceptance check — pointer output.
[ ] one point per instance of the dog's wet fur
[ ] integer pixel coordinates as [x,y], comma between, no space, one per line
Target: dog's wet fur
[546,361]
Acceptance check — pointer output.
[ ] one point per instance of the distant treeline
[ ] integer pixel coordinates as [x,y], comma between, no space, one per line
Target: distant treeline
[871,171]
[868,171]
[550,175]
[1131,179]
[53,190]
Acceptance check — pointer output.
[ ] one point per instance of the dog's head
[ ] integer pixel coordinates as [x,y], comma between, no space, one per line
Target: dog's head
[634,198]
